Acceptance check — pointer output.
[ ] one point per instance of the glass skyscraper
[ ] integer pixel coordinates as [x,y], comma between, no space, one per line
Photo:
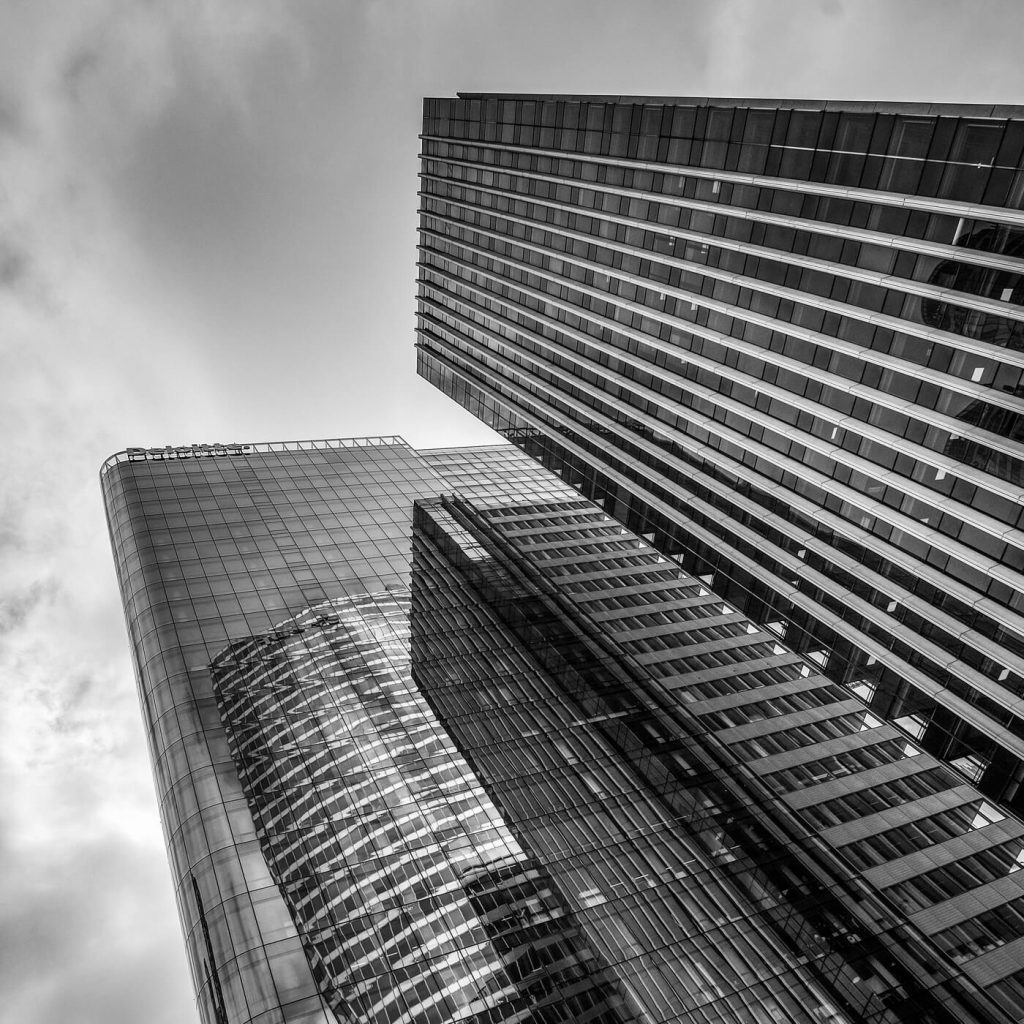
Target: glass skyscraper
[333,857]
[782,340]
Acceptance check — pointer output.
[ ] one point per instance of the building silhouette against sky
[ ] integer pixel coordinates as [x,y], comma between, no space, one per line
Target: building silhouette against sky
[784,341]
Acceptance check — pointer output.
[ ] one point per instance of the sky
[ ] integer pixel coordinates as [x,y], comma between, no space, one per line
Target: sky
[207,233]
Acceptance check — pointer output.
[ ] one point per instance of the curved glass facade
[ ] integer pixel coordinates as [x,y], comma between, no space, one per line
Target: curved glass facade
[412,899]
[216,545]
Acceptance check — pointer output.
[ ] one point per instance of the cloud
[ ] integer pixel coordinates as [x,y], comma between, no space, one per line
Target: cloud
[79,83]
[207,230]
[87,924]
[104,961]
[16,607]
[14,265]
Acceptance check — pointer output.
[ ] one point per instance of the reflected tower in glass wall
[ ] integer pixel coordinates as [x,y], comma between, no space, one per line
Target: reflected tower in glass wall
[782,339]
[263,590]
[741,838]
[412,899]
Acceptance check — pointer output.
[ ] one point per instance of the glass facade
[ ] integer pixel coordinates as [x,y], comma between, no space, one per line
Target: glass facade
[266,675]
[741,838]
[412,900]
[783,340]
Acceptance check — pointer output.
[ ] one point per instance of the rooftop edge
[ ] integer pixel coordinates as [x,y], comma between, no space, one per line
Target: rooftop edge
[234,448]
[1002,110]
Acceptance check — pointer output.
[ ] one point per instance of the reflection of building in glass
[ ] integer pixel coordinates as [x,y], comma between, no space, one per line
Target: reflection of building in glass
[781,339]
[741,838]
[215,545]
[989,419]
[953,276]
[412,899]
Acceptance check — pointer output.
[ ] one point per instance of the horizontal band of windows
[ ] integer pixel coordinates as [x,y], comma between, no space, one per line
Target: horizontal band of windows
[681,681]
[667,573]
[693,650]
[544,534]
[947,852]
[558,555]
[764,766]
[886,360]
[952,207]
[753,695]
[925,247]
[996,964]
[895,817]
[645,608]
[966,906]
[833,789]
[782,723]
[680,626]
[916,678]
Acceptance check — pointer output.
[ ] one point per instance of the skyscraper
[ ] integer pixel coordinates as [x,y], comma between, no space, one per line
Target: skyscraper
[783,340]
[330,852]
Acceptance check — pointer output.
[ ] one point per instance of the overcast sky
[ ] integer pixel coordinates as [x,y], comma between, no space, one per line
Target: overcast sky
[207,232]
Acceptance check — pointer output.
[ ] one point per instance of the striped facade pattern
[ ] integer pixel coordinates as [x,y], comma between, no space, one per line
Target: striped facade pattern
[413,900]
[217,545]
[868,857]
[786,340]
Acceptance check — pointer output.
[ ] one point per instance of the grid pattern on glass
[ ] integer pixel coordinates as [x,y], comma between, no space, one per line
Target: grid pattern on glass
[786,341]
[526,690]
[674,933]
[213,545]
[412,899]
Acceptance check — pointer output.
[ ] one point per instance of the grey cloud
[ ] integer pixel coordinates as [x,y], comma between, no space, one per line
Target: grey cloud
[16,608]
[80,947]
[78,692]
[15,266]
[77,69]
[10,114]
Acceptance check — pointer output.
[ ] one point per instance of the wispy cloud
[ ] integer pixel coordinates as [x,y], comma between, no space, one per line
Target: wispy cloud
[86,910]
[207,232]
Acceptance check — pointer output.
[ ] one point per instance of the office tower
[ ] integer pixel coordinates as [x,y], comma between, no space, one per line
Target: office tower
[781,339]
[322,834]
